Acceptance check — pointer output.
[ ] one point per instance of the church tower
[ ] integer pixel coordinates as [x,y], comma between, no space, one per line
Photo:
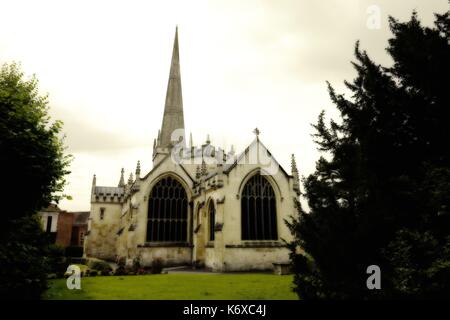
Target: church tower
[172,128]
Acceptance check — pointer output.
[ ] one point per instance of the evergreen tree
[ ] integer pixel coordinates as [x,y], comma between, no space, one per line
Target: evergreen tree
[381,196]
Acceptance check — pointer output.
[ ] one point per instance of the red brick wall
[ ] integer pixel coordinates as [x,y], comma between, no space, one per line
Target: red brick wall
[64,229]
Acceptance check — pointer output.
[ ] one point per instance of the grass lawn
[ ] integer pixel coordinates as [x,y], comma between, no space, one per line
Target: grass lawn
[178,287]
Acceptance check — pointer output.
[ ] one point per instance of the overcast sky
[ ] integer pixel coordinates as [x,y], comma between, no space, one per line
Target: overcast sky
[244,64]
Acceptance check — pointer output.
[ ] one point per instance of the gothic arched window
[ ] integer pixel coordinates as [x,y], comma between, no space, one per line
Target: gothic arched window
[212,220]
[167,212]
[258,210]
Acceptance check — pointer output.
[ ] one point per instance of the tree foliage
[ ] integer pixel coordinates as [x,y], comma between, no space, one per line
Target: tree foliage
[382,196]
[31,146]
[33,167]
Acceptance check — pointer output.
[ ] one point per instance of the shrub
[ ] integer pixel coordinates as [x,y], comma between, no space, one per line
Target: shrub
[24,269]
[136,263]
[99,265]
[74,251]
[55,260]
[130,271]
[141,271]
[76,260]
[157,265]
[120,271]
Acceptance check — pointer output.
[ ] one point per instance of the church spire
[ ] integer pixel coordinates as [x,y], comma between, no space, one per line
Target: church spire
[173,118]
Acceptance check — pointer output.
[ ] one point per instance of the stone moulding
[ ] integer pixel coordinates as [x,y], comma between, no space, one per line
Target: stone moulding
[257,244]
[164,244]
[220,200]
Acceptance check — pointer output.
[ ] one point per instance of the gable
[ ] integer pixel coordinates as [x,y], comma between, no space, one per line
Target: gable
[257,153]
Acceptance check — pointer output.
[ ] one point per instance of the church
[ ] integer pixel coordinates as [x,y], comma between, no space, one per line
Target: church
[199,205]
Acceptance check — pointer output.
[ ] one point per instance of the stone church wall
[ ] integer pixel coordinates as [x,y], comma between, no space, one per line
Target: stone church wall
[170,256]
[247,259]
[211,259]
[101,241]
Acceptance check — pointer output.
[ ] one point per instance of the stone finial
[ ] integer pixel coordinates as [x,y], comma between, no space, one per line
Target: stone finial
[130,179]
[204,169]
[220,155]
[138,170]
[208,140]
[220,169]
[295,175]
[198,173]
[94,182]
[224,155]
[256,132]
[122,179]
[137,183]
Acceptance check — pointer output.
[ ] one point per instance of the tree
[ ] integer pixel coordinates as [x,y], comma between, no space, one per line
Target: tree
[381,196]
[33,168]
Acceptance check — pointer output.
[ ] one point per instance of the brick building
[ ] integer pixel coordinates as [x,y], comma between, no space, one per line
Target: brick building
[66,228]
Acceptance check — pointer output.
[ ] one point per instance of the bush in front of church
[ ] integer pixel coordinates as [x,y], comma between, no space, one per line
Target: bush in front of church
[56,261]
[74,252]
[157,266]
[99,265]
[23,271]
